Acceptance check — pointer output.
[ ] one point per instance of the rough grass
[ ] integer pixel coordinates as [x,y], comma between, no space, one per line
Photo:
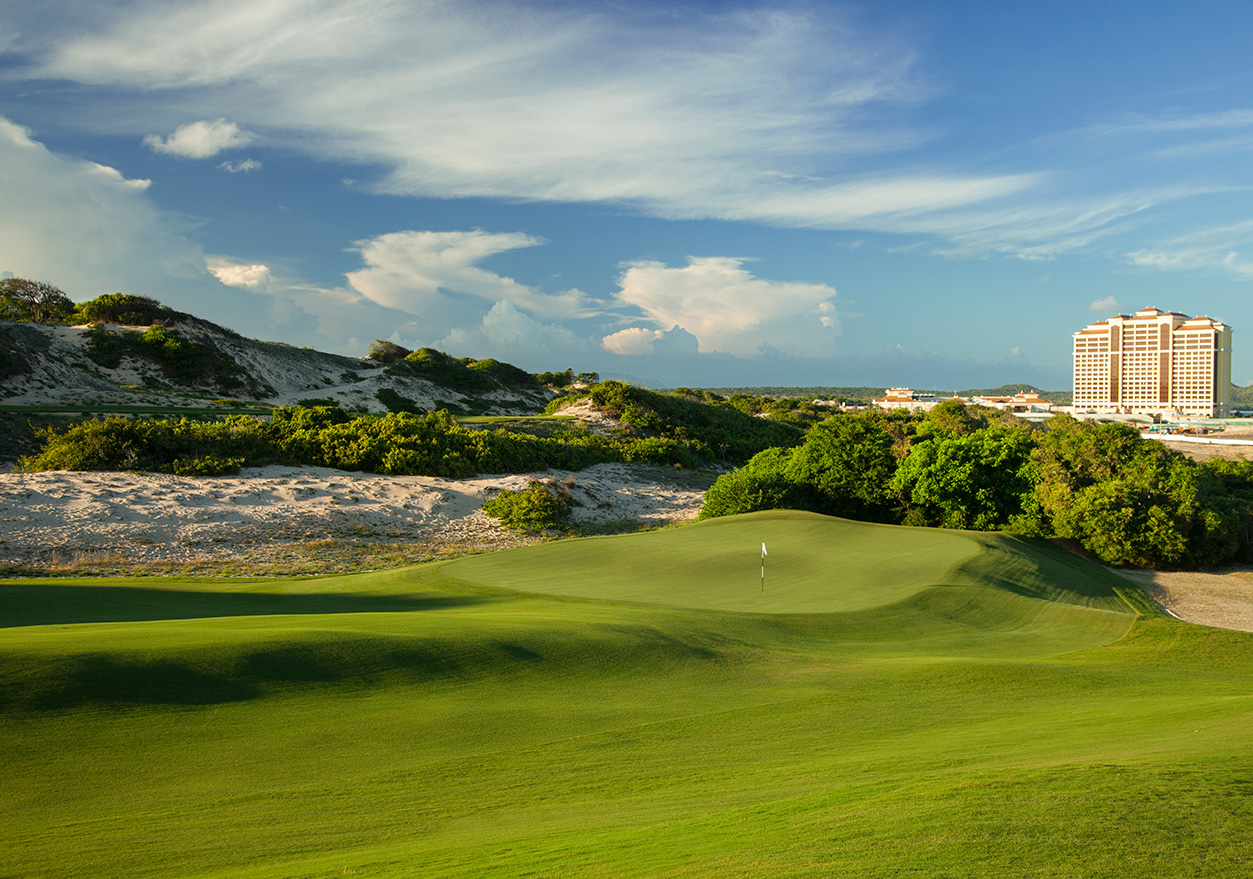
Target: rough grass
[1013,718]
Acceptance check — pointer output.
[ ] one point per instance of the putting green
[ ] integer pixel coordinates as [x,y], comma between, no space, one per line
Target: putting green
[815,564]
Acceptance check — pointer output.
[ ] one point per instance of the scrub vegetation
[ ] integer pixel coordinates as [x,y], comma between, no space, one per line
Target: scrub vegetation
[895,701]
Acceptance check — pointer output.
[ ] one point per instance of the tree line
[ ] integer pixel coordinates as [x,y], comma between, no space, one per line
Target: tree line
[1126,499]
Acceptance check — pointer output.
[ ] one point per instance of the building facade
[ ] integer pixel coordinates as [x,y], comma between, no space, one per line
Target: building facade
[1154,362]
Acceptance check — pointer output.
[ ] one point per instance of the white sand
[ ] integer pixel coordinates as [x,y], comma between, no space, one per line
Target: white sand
[50,519]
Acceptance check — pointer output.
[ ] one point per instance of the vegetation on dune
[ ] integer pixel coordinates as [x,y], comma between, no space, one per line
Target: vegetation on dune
[540,507]
[22,299]
[327,436]
[712,429]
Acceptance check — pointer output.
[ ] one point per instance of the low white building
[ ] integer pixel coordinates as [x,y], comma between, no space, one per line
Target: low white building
[1023,401]
[907,398]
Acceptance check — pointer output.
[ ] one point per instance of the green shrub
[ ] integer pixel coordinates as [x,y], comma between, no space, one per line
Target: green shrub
[25,300]
[396,402]
[506,375]
[761,484]
[537,509]
[123,308]
[387,352]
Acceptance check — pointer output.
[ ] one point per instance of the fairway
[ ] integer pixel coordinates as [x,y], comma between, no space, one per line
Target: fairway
[901,702]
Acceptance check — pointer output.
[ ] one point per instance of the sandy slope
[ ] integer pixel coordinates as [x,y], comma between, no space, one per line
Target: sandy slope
[300,519]
[1221,599]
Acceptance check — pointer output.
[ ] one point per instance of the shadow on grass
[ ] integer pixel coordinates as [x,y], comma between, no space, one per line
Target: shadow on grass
[46,604]
[35,683]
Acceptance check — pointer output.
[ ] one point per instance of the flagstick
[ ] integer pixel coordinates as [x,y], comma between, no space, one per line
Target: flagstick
[763,569]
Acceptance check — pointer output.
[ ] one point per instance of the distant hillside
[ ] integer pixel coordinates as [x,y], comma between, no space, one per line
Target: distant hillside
[178,361]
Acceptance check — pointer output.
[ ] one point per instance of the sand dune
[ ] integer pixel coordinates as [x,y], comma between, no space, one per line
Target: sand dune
[268,516]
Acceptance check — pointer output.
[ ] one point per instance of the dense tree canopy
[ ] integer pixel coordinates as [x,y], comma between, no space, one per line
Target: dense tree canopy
[981,481]
[1127,500]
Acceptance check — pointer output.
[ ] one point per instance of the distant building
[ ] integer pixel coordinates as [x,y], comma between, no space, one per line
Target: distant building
[1023,401]
[907,398]
[1154,362]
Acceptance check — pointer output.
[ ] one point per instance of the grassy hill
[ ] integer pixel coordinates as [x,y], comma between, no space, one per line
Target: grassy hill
[900,702]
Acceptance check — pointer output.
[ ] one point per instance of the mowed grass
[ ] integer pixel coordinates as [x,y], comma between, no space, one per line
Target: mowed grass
[997,708]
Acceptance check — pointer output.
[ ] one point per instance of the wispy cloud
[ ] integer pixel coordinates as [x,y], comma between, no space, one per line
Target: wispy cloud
[244,167]
[105,220]
[1224,249]
[200,140]
[766,115]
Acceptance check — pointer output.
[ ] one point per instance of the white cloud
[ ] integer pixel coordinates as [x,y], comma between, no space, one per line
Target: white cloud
[85,227]
[507,333]
[631,342]
[1108,305]
[472,99]
[245,167]
[200,140]
[796,116]
[1221,249]
[248,276]
[728,309]
[425,273]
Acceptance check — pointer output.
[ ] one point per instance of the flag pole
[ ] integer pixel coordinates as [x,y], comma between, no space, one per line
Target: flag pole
[763,569]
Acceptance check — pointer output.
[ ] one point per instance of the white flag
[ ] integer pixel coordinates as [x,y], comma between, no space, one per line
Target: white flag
[763,550]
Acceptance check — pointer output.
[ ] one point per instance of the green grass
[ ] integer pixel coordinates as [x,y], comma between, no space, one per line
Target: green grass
[627,707]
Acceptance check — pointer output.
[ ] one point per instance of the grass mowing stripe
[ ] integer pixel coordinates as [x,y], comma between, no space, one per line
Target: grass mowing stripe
[1008,716]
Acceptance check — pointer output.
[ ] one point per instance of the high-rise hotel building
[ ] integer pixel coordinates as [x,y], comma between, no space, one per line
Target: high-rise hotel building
[1154,362]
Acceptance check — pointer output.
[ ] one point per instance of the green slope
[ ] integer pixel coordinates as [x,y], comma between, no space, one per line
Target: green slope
[997,710]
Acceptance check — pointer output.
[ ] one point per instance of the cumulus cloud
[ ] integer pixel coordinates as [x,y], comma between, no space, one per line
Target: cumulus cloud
[118,238]
[1108,305]
[200,140]
[631,342]
[509,333]
[251,277]
[244,167]
[729,309]
[431,273]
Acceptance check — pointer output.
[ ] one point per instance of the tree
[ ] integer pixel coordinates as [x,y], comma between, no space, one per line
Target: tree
[761,484]
[847,461]
[1132,501]
[25,300]
[981,481]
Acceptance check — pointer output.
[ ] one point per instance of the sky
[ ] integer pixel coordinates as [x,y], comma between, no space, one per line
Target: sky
[925,194]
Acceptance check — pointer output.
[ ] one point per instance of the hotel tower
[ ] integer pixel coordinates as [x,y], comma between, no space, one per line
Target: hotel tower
[1154,362]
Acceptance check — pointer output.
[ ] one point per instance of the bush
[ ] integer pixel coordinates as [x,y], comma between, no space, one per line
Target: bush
[387,352]
[123,308]
[537,509]
[397,403]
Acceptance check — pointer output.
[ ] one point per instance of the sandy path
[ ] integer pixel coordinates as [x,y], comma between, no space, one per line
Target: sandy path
[298,519]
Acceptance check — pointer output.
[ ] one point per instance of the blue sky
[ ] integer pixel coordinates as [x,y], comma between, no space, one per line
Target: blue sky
[714,194]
